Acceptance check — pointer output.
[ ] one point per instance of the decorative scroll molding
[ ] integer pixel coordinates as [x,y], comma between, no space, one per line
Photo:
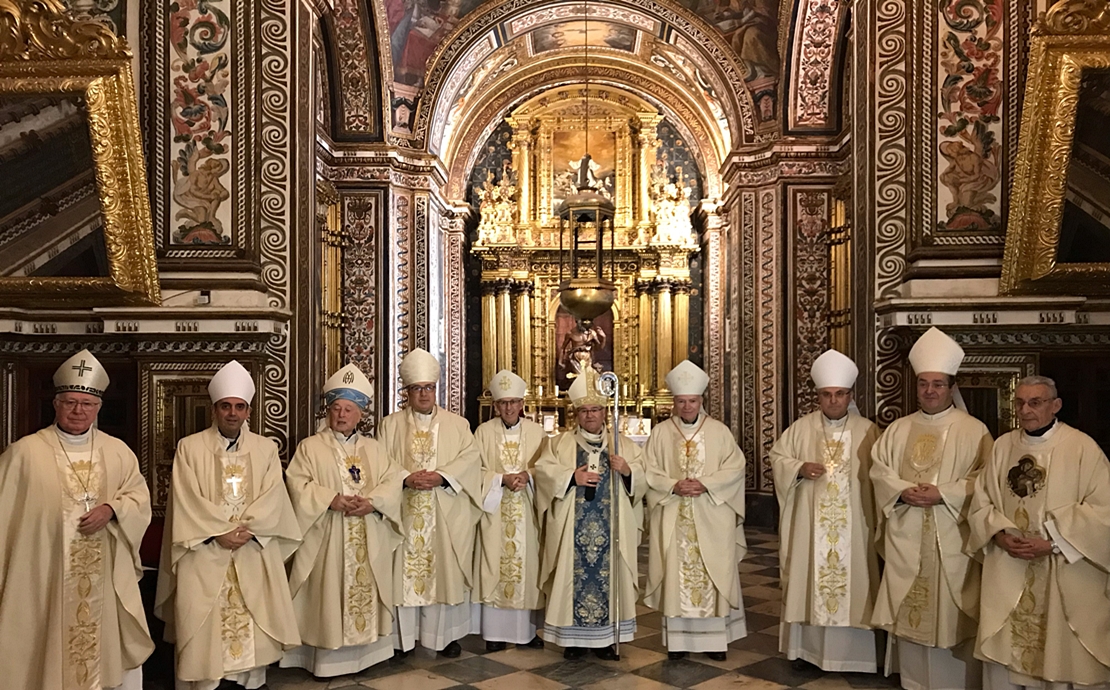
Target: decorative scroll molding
[454,232]
[354,64]
[420,271]
[747,337]
[362,225]
[890,133]
[400,295]
[891,348]
[810,288]
[714,285]
[770,309]
[812,99]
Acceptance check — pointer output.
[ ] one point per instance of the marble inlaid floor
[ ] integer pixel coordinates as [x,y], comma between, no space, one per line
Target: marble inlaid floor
[753,663]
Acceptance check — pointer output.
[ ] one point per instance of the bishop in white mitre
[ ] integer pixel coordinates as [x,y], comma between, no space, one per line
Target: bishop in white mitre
[589,571]
[923,469]
[346,493]
[695,497]
[74,509]
[507,552]
[827,558]
[1040,518]
[440,507]
[222,586]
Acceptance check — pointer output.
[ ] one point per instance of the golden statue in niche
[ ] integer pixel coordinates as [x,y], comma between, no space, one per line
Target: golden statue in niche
[524,329]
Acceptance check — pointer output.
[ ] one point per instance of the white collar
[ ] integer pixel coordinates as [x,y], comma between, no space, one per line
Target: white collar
[834,422]
[1036,440]
[691,425]
[595,439]
[507,428]
[424,417]
[345,440]
[74,439]
[230,443]
[938,415]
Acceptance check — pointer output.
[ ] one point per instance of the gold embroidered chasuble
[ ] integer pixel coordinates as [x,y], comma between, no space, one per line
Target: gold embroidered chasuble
[555,501]
[929,592]
[71,616]
[342,574]
[227,611]
[1047,618]
[828,561]
[435,561]
[695,542]
[507,553]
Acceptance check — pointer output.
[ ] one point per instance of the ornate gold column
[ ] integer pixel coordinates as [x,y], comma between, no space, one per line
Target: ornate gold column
[332,237]
[663,332]
[522,289]
[489,331]
[645,365]
[522,165]
[504,326]
[646,146]
[680,327]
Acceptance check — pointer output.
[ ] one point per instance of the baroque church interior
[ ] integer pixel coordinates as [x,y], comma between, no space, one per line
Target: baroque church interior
[303,184]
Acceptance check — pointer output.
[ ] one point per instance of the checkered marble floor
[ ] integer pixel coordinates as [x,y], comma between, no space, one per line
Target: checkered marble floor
[753,663]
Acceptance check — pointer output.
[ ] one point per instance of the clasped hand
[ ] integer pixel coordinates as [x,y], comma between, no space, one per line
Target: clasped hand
[514,482]
[922,496]
[689,487]
[424,480]
[1025,548]
[811,470]
[352,506]
[96,519]
[235,539]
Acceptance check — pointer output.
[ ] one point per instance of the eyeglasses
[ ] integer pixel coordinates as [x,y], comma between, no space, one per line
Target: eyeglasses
[82,405]
[925,385]
[429,388]
[1034,404]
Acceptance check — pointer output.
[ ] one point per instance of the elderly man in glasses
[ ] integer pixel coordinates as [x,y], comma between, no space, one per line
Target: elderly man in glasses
[1040,518]
[440,507]
[74,509]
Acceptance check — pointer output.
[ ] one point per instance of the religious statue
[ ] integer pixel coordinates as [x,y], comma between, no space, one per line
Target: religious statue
[580,349]
[670,206]
[498,208]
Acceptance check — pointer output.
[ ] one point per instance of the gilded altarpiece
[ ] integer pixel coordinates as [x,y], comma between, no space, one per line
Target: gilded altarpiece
[518,247]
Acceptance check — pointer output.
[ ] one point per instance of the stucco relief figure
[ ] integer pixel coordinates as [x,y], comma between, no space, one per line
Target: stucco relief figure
[971,177]
[199,191]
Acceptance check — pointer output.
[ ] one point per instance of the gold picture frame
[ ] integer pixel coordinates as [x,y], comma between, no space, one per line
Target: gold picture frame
[1072,36]
[44,51]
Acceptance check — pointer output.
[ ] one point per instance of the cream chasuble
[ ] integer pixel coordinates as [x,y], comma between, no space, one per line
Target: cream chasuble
[929,594]
[342,574]
[71,616]
[229,612]
[696,542]
[435,562]
[578,542]
[1047,618]
[828,561]
[507,552]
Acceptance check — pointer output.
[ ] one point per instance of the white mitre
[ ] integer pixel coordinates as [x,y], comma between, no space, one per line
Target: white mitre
[81,373]
[506,384]
[687,378]
[419,366]
[833,370]
[232,381]
[349,383]
[936,352]
[583,391]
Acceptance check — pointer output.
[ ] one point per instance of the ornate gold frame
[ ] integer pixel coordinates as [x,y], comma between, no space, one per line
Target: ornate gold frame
[1071,36]
[43,50]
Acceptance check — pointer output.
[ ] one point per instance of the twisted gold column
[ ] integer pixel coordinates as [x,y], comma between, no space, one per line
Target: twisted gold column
[645,369]
[504,325]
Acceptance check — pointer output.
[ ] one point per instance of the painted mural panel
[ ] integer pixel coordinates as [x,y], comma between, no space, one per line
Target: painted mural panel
[416,28]
[200,121]
[970,100]
[571,151]
[594,34]
[751,28]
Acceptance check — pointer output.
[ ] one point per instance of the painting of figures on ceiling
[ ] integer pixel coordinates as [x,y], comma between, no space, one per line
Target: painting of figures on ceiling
[751,28]
[416,28]
[595,34]
[568,158]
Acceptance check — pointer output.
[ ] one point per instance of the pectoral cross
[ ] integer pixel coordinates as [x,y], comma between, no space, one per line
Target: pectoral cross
[234,482]
[88,499]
